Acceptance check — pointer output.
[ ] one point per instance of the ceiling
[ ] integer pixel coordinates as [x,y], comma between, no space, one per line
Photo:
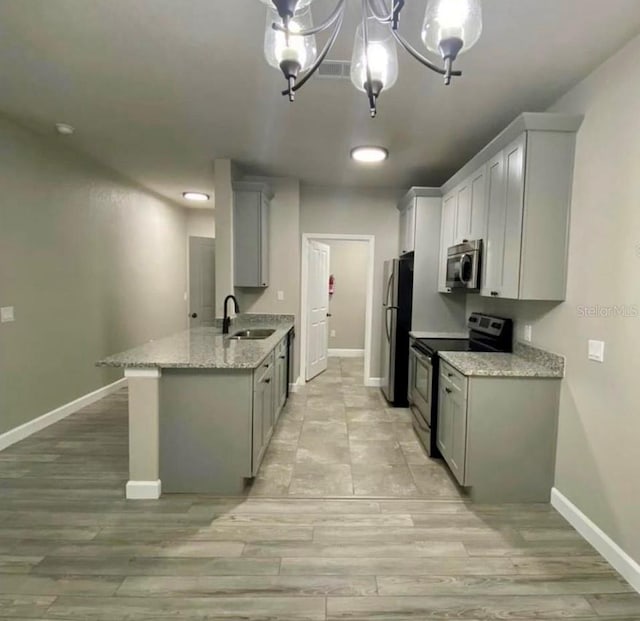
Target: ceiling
[157,89]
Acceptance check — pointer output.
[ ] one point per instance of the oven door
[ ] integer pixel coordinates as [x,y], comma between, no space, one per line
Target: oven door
[421,395]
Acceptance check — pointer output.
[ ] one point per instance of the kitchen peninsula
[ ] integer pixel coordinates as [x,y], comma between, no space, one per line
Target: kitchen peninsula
[203,405]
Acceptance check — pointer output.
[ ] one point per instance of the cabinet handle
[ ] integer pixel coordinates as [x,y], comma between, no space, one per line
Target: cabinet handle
[449,374]
[448,390]
[494,293]
[282,357]
[267,381]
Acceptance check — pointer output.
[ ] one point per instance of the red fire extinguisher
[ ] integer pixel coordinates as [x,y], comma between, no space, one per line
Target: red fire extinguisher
[332,284]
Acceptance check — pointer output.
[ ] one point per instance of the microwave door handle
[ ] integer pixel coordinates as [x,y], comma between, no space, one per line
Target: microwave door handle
[463,259]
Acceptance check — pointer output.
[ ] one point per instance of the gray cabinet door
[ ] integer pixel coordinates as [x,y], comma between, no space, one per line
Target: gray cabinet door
[251,234]
[478,211]
[443,436]
[281,379]
[505,177]
[258,421]
[457,413]
[514,156]
[496,228]
[447,236]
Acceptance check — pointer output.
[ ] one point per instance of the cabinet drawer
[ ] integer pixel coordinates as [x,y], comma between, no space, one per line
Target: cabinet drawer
[452,376]
[265,367]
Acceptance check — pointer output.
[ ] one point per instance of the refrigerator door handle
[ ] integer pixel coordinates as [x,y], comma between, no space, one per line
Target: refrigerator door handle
[386,321]
[386,295]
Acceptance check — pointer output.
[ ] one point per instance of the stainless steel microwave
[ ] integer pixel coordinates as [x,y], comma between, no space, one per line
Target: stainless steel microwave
[463,265]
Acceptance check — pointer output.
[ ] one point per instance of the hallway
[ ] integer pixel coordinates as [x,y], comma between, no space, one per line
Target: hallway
[71,547]
[338,438]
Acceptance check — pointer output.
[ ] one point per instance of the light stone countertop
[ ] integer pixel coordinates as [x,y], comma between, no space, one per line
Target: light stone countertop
[206,347]
[525,361]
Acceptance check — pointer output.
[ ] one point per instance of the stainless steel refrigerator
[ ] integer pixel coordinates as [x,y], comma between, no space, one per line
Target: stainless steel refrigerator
[396,320]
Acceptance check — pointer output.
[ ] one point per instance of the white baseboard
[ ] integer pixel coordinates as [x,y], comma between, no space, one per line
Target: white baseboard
[627,567]
[144,490]
[374,382]
[38,424]
[345,353]
[295,386]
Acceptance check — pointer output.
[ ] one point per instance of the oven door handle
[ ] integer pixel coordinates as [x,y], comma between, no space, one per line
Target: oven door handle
[421,357]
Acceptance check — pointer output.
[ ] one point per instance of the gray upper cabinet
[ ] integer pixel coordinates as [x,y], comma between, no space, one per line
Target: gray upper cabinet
[463,218]
[447,236]
[517,201]
[251,201]
[407,240]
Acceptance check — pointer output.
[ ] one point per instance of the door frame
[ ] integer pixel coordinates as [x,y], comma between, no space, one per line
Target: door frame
[368,329]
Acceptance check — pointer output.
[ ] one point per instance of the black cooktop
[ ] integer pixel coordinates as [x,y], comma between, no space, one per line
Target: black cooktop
[434,345]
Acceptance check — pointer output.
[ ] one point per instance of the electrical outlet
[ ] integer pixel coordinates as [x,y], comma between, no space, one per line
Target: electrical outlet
[596,351]
[280,296]
[7,314]
[527,333]
[332,333]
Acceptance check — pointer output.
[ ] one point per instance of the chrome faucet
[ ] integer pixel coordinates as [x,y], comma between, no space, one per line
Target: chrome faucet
[226,322]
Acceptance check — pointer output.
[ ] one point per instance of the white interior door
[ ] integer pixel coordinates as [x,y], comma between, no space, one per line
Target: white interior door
[202,281]
[317,308]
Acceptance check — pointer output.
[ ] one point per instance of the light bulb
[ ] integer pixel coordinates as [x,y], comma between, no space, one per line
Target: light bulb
[279,47]
[451,27]
[380,52]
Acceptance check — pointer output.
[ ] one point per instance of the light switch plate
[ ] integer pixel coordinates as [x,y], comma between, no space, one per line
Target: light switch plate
[596,351]
[527,333]
[7,314]
[332,333]
[280,295]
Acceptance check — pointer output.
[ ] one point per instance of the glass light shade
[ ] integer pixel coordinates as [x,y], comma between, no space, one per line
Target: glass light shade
[298,48]
[448,19]
[301,3]
[382,56]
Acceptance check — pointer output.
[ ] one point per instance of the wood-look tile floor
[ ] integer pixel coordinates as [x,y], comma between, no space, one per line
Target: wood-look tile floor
[72,548]
[339,438]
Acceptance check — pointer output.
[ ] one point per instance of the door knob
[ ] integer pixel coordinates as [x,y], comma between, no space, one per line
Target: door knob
[194,315]
[329,315]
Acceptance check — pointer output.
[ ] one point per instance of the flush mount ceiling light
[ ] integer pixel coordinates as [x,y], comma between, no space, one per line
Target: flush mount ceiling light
[450,28]
[64,129]
[369,155]
[196,196]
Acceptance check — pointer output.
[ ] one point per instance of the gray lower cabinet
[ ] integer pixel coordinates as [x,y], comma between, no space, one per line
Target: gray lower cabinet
[498,434]
[263,411]
[281,376]
[452,420]
[216,424]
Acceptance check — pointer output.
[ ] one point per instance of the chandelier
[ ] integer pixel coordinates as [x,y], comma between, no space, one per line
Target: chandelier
[450,28]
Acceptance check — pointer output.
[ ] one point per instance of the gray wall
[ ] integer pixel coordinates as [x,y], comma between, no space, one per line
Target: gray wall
[349,264]
[599,434]
[201,222]
[92,264]
[358,212]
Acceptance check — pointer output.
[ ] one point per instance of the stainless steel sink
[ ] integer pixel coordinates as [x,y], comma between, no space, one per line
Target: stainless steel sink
[252,335]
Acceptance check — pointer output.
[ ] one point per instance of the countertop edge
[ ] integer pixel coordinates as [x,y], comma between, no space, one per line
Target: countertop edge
[535,371]
[280,333]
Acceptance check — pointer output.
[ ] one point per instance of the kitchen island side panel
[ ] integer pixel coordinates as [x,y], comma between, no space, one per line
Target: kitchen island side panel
[205,430]
[511,438]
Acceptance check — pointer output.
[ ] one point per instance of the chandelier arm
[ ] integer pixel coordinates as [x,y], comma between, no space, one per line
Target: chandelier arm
[323,54]
[383,19]
[335,14]
[420,58]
